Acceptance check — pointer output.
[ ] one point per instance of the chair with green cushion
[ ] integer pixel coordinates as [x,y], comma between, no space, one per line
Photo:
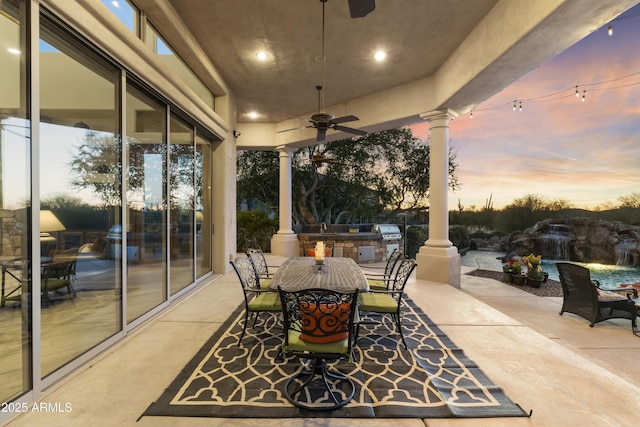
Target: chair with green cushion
[262,269]
[256,300]
[318,325]
[382,282]
[388,302]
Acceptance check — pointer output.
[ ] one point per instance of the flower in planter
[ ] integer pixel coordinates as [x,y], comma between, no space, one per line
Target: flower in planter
[534,269]
[516,268]
[508,267]
[533,260]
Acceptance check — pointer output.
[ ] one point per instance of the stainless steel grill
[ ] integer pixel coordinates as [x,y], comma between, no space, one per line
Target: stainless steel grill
[388,231]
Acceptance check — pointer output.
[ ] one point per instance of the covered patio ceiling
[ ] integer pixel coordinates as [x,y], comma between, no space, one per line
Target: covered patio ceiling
[441,54]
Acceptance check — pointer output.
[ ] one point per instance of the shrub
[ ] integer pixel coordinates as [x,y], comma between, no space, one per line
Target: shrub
[255,229]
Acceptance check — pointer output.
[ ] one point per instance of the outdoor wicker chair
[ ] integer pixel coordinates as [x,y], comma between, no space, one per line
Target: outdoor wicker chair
[583,297]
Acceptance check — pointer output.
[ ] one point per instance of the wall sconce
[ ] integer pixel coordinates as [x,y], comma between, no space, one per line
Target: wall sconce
[236,134]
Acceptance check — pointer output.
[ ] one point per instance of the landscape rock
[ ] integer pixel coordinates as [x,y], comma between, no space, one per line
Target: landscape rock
[579,239]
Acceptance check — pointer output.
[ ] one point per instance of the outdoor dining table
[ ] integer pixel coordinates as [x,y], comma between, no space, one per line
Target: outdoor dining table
[337,273]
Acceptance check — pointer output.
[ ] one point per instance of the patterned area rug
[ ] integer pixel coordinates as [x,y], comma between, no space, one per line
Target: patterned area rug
[433,379]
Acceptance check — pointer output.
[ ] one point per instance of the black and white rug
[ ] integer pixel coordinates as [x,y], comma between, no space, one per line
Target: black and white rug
[432,379]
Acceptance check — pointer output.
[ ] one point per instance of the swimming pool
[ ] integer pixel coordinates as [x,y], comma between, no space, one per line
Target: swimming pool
[609,276]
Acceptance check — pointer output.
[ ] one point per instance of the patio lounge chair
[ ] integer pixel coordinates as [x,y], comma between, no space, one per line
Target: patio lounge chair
[583,297]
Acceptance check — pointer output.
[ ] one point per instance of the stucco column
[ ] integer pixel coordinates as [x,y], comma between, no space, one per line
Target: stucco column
[438,260]
[285,242]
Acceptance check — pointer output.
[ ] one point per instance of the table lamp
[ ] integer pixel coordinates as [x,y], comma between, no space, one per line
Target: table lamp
[48,222]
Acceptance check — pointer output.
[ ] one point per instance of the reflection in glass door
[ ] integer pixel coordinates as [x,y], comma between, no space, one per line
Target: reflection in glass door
[15,198]
[146,203]
[181,200]
[203,206]
[80,197]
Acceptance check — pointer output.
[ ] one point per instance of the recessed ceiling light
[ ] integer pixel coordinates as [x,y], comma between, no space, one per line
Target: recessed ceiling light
[262,55]
[380,56]
[253,115]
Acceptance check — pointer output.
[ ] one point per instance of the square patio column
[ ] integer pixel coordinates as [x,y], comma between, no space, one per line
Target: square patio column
[285,242]
[438,260]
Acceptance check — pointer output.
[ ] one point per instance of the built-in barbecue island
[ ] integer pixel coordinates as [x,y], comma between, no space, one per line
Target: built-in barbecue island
[364,243]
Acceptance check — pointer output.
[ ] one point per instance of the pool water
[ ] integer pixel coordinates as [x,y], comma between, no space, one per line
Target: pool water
[609,276]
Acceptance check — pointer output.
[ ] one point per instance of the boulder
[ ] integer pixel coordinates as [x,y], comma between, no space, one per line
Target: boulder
[581,240]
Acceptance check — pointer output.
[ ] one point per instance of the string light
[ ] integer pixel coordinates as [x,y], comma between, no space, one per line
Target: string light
[562,93]
[471,114]
[610,30]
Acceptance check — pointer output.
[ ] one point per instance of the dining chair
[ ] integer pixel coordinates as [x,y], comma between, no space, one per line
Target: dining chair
[310,248]
[382,282]
[12,283]
[260,264]
[256,300]
[56,276]
[388,302]
[318,325]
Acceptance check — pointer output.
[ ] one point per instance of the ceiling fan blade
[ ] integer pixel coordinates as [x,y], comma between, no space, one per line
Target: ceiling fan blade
[351,130]
[344,119]
[298,128]
[361,8]
[321,135]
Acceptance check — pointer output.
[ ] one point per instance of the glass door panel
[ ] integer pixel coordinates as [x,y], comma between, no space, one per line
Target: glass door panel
[203,206]
[15,200]
[80,197]
[146,203]
[182,200]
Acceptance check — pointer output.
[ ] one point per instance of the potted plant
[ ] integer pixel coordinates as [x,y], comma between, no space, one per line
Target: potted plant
[518,277]
[507,272]
[535,275]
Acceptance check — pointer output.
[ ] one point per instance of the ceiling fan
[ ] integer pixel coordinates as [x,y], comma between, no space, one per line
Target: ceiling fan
[361,8]
[318,159]
[323,121]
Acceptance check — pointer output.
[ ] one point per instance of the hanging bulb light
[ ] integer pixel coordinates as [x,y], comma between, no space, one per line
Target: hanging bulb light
[520,105]
[610,30]
[514,105]
[471,114]
[577,93]
[584,95]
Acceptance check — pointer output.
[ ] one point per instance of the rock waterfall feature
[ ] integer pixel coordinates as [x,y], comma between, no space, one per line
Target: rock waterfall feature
[581,240]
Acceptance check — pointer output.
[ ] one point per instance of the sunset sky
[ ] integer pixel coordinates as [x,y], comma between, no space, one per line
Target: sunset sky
[559,147]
